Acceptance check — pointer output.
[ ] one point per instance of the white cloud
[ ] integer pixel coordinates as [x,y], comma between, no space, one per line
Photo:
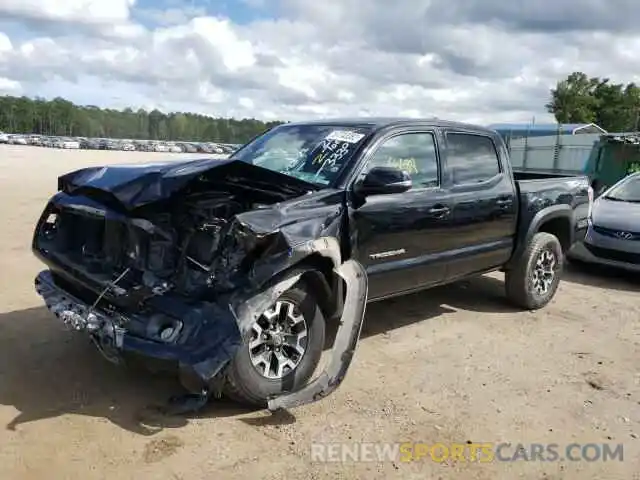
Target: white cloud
[210,38]
[98,11]
[458,59]
[9,87]
[5,44]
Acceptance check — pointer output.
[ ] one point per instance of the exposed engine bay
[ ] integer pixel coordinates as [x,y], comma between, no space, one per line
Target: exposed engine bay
[182,251]
[180,246]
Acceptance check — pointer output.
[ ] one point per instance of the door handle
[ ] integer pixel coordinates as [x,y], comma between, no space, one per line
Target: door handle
[439,210]
[504,202]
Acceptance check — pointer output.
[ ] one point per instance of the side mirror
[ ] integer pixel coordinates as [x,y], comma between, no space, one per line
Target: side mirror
[383,180]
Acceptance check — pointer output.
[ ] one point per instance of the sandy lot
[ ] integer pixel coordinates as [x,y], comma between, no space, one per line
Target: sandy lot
[450,365]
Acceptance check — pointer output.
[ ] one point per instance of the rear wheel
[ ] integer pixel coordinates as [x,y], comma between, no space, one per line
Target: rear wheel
[281,350]
[533,281]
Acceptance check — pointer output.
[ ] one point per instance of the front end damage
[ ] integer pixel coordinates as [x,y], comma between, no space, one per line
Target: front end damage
[141,278]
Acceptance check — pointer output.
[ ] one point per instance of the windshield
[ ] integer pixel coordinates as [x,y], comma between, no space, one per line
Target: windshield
[313,153]
[628,190]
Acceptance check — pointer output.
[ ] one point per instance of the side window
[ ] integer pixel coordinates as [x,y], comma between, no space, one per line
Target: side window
[471,158]
[415,153]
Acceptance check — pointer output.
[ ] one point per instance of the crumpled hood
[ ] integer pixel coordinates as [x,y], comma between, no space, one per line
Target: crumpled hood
[624,216]
[136,185]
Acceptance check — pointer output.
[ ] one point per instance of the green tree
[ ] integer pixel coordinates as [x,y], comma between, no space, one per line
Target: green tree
[583,99]
[61,117]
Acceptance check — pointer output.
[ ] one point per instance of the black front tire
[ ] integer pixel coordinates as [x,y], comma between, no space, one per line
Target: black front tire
[519,280]
[244,384]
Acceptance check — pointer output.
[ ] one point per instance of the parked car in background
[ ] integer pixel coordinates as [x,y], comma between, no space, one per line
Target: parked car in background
[215,148]
[127,146]
[90,144]
[35,140]
[140,145]
[160,147]
[174,148]
[87,143]
[204,148]
[226,149]
[17,140]
[112,144]
[188,147]
[70,143]
[57,142]
[613,232]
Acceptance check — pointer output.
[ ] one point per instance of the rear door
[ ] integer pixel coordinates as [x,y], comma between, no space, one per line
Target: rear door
[484,203]
[397,237]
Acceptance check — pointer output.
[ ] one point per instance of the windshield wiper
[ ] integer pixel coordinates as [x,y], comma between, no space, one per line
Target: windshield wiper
[617,199]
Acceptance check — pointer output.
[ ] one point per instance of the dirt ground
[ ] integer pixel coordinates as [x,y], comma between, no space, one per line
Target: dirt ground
[451,365]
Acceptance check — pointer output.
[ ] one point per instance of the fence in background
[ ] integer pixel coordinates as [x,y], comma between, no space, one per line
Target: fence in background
[551,154]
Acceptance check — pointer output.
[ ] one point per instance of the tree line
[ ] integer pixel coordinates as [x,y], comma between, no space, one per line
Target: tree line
[61,117]
[583,99]
[578,98]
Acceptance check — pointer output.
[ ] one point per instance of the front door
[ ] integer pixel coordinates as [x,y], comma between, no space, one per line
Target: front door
[397,237]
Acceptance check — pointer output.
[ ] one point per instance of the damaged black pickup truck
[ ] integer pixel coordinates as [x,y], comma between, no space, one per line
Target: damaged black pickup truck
[231,269]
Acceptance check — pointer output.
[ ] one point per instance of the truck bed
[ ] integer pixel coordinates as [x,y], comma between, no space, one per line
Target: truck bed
[563,192]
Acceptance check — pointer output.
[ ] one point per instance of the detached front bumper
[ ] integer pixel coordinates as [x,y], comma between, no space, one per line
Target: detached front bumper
[196,347]
[77,314]
[201,353]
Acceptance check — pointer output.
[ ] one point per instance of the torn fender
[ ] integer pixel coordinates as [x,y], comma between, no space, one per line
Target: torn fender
[238,313]
[355,277]
[248,309]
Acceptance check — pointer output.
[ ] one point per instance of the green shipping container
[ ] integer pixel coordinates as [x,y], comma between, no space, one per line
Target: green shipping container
[612,158]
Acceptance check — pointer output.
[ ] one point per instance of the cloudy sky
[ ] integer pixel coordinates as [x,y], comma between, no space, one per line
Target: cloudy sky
[474,60]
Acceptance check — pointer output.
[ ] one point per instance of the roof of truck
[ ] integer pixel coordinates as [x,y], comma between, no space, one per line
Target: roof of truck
[563,128]
[381,122]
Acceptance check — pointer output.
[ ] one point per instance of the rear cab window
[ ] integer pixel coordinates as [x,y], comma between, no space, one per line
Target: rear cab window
[471,158]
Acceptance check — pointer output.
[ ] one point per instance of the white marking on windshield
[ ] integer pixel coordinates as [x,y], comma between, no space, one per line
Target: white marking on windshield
[331,152]
[348,136]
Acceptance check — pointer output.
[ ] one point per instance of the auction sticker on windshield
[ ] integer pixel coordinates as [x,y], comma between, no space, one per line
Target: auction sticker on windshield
[348,136]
